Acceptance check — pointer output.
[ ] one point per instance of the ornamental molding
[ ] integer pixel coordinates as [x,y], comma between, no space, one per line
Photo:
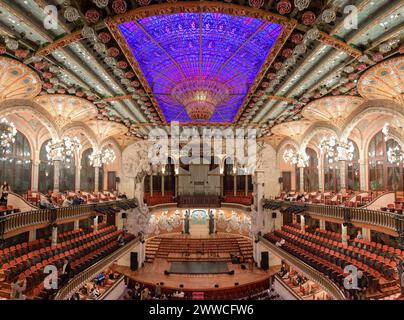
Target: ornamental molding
[339,45]
[202,7]
[60,43]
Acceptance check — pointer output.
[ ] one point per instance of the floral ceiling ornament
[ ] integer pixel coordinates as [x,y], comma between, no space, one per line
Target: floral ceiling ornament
[385,47]
[104,37]
[88,33]
[302,4]
[101,3]
[71,14]
[300,49]
[284,7]
[312,34]
[308,18]
[256,3]
[143,2]
[11,43]
[328,15]
[119,6]
[92,16]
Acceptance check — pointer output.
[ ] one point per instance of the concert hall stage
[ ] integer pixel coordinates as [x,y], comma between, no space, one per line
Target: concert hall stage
[196,267]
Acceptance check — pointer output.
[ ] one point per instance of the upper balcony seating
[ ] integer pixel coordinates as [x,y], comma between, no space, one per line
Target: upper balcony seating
[330,256]
[240,198]
[28,261]
[158,198]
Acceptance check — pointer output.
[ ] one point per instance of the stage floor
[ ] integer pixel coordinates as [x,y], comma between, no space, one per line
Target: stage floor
[153,273]
[194,267]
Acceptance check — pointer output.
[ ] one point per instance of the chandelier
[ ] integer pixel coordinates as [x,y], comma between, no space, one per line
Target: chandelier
[63,150]
[99,158]
[200,97]
[7,135]
[335,150]
[394,154]
[294,158]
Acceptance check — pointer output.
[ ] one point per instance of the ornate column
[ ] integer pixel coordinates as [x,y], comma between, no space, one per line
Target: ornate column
[302,223]
[151,185]
[259,182]
[246,185]
[54,235]
[162,185]
[76,224]
[322,224]
[95,223]
[342,173]
[35,175]
[301,173]
[176,185]
[77,179]
[56,175]
[362,174]
[235,185]
[96,178]
[344,232]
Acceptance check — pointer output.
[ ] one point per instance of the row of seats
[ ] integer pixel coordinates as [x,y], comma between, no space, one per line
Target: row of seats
[20,249]
[36,258]
[331,257]
[68,235]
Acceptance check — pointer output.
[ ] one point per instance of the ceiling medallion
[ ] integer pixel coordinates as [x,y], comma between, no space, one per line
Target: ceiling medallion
[302,4]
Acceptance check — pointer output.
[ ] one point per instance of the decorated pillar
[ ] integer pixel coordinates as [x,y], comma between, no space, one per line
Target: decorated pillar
[151,185]
[302,223]
[344,233]
[301,169]
[56,175]
[362,174]
[76,224]
[235,185]
[342,172]
[35,175]
[96,178]
[78,169]
[162,185]
[259,193]
[246,185]
[322,224]
[95,223]
[54,235]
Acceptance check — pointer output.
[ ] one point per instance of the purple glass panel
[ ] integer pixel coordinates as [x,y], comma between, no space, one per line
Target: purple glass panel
[172,48]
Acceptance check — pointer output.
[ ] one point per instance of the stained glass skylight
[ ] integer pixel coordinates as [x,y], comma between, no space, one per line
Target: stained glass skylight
[206,49]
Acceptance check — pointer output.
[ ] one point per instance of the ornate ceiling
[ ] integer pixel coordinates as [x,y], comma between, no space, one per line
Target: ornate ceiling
[315,55]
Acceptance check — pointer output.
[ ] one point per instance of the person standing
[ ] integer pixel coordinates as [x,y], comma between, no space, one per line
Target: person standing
[5,189]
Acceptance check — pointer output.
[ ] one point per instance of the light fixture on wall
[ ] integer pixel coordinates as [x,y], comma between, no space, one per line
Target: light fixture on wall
[394,154]
[63,149]
[7,136]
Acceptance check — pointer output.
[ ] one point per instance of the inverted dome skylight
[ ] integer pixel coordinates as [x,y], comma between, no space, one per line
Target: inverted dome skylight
[205,52]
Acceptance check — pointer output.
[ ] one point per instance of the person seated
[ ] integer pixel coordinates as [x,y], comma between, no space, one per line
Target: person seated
[67,202]
[77,201]
[46,203]
[94,292]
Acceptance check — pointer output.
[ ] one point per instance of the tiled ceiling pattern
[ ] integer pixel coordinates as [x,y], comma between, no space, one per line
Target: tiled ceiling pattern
[89,68]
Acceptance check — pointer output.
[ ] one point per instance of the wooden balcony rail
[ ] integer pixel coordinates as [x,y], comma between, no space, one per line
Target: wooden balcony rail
[383,219]
[90,273]
[316,276]
[19,220]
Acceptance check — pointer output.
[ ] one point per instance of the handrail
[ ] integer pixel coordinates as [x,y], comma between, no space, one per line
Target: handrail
[76,282]
[384,219]
[20,220]
[287,288]
[311,273]
[111,288]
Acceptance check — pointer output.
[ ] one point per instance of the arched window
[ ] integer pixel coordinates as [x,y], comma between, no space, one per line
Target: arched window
[352,170]
[383,175]
[311,172]
[46,171]
[67,178]
[16,167]
[87,172]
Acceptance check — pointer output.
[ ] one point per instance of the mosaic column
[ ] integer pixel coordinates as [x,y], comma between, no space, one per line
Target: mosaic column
[342,173]
[54,235]
[162,185]
[56,175]
[95,223]
[301,169]
[77,184]
[35,175]
[235,185]
[344,232]
[96,178]
[302,223]
[151,186]
[362,174]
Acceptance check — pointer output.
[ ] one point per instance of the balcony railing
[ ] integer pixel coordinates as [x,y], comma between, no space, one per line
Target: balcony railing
[383,219]
[330,287]
[90,273]
[19,220]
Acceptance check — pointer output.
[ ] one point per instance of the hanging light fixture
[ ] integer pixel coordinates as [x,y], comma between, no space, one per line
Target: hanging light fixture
[295,158]
[335,150]
[63,150]
[394,154]
[99,158]
[7,136]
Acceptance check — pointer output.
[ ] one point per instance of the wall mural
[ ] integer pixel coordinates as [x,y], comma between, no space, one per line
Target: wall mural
[170,221]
